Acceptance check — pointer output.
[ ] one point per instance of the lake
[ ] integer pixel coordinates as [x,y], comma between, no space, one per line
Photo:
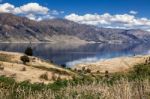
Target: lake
[74,54]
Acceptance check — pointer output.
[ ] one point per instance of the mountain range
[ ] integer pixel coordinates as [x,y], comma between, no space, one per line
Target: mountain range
[20,29]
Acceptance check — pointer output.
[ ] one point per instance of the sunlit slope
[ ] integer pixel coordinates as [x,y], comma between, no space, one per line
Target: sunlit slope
[119,64]
[37,70]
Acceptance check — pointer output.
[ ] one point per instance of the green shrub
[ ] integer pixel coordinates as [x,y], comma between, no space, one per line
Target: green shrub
[7,81]
[57,85]
[44,76]
[141,71]
[24,59]
[88,70]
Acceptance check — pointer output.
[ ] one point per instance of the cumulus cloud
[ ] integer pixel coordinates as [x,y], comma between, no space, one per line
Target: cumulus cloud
[125,21]
[31,8]
[133,12]
[33,11]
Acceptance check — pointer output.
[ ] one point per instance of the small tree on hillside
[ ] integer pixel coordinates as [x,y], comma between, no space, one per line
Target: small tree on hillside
[29,51]
[63,66]
[24,59]
[88,70]
[106,74]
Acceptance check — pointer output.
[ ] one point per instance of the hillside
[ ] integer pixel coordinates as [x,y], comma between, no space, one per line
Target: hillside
[20,29]
[36,71]
[113,65]
[15,80]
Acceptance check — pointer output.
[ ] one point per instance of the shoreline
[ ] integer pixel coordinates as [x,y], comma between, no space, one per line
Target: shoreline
[50,42]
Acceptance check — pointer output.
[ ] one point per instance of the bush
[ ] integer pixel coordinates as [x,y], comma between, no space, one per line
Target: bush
[57,85]
[63,66]
[106,74]
[54,77]
[98,72]
[13,75]
[44,76]
[1,67]
[29,51]
[24,59]
[7,81]
[23,69]
[141,71]
[88,70]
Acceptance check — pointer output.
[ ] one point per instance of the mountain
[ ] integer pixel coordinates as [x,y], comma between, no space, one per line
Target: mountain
[20,29]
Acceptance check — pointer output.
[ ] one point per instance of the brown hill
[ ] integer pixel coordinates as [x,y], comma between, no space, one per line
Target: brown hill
[20,29]
[36,71]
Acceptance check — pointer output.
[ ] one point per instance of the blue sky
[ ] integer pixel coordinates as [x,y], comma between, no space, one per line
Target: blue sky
[106,13]
[92,6]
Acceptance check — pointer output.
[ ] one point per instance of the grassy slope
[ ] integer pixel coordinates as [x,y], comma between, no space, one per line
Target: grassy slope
[37,67]
[119,64]
[134,84]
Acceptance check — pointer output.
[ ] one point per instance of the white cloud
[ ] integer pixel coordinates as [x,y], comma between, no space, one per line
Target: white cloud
[6,7]
[133,12]
[31,8]
[33,11]
[125,21]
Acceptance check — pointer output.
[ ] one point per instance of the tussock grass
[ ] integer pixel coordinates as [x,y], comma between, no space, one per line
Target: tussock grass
[24,69]
[60,89]
[61,72]
[134,84]
[5,58]
[1,67]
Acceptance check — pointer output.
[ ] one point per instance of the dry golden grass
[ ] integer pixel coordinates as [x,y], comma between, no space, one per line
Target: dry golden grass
[12,64]
[87,86]
[119,64]
[121,90]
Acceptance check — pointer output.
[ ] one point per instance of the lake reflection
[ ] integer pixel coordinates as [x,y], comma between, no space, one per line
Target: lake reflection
[74,54]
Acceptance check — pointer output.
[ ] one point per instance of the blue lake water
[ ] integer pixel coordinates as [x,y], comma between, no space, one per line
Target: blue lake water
[74,54]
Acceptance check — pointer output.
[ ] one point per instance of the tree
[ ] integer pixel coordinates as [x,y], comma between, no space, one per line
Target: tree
[88,70]
[29,51]
[24,59]
[106,74]
[63,66]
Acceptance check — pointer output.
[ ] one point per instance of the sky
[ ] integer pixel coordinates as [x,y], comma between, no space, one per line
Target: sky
[126,14]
